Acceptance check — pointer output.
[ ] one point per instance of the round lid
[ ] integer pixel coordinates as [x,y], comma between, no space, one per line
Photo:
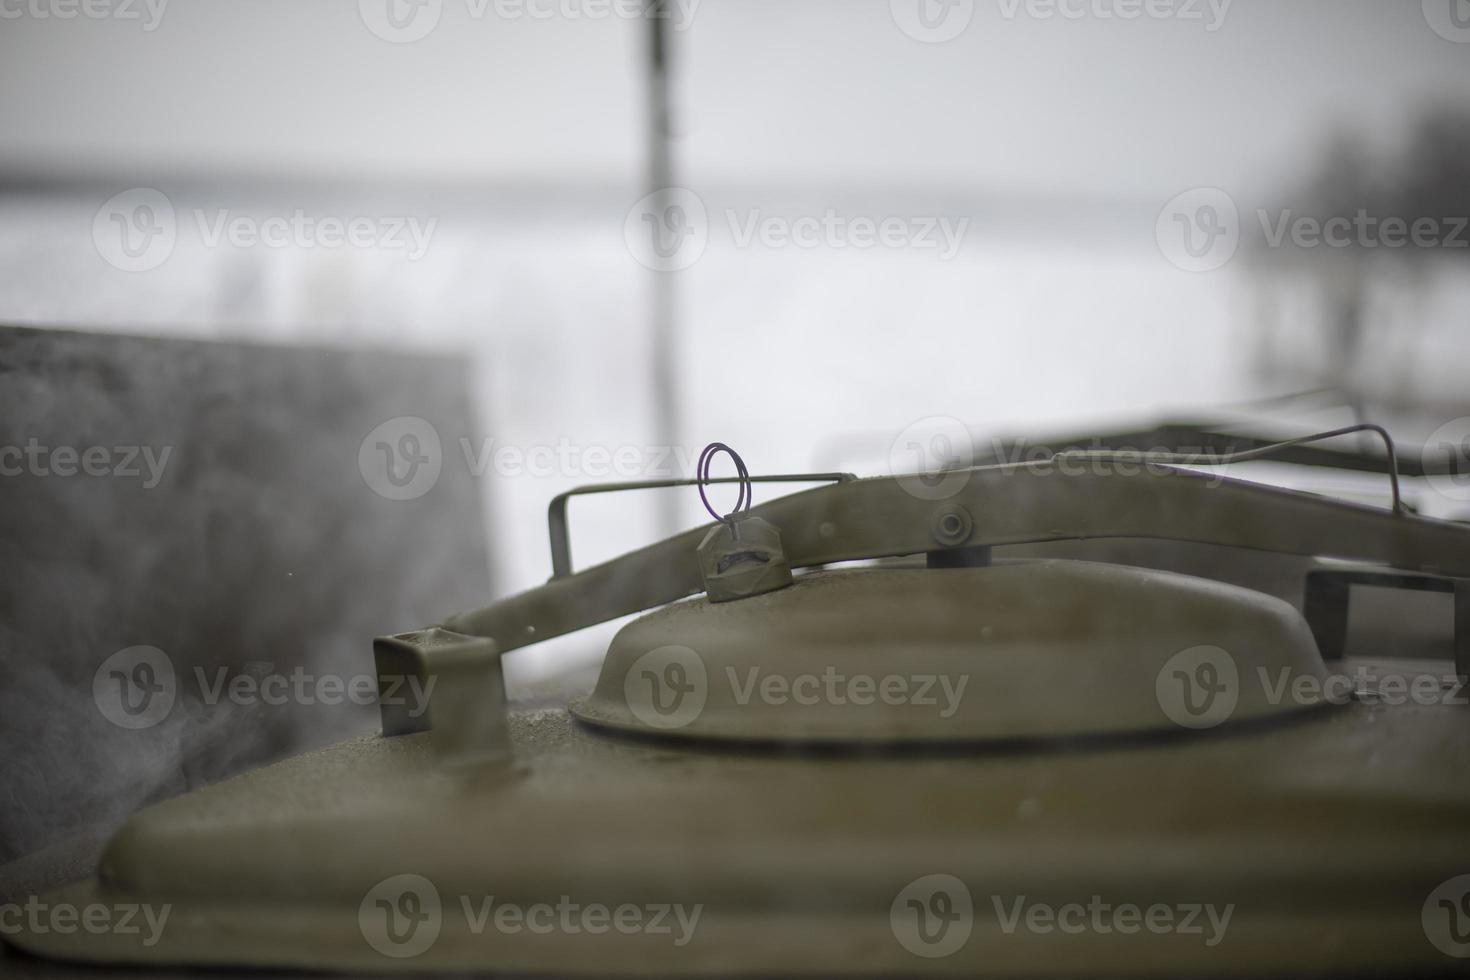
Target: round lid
[1023,650]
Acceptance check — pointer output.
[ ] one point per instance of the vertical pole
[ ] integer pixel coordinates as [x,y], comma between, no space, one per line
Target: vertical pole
[1462,630]
[664,358]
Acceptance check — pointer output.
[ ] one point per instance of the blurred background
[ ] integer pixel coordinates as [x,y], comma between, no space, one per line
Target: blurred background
[518,132]
[810,228]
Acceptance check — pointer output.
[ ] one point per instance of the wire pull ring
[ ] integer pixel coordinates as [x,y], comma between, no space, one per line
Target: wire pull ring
[701,472]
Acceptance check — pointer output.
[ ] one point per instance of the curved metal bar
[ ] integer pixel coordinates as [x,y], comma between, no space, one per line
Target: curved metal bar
[1212,440]
[1048,500]
[1258,452]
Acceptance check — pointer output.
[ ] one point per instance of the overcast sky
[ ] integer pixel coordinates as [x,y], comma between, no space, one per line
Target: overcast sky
[785,105]
[771,91]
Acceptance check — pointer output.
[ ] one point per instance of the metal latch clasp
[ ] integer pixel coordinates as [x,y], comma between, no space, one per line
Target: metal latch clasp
[742,557]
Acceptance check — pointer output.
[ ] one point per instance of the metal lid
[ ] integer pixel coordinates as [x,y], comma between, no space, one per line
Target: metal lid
[1037,649]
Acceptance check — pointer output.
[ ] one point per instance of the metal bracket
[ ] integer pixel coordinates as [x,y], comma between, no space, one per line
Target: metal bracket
[1325,606]
[556,512]
[451,684]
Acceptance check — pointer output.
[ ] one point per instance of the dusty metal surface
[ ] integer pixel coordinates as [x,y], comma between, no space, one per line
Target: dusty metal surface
[1040,649]
[1325,833]
[1136,748]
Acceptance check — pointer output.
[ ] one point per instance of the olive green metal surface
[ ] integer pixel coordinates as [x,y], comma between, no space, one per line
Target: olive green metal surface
[1326,832]
[797,841]
[1040,649]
